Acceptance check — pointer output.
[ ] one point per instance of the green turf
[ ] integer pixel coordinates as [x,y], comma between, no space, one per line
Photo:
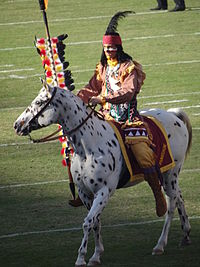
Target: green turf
[167,44]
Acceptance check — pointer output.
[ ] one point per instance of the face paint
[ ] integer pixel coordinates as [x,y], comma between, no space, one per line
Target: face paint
[110,49]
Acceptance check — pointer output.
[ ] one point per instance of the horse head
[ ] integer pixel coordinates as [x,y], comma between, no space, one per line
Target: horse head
[39,114]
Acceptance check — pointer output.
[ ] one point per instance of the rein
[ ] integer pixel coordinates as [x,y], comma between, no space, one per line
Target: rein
[51,137]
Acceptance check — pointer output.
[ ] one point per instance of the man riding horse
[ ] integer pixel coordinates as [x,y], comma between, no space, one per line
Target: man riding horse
[115,85]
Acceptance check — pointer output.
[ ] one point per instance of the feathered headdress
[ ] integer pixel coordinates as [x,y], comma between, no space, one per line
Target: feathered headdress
[111,35]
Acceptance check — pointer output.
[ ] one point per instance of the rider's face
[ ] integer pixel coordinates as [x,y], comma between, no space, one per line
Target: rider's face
[110,51]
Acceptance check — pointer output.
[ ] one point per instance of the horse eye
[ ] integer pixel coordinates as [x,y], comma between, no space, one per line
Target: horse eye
[37,102]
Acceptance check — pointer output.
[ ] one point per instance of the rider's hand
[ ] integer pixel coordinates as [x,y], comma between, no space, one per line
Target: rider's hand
[96,100]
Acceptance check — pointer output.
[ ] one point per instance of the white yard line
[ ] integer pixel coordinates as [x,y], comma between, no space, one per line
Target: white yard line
[189,107]
[33,184]
[16,48]
[31,143]
[173,63]
[100,41]
[6,66]
[165,102]
[15,23]
[16,70]
[14,76]
[171,94]
[155,103]
[16,144]
[140,97]
[75,229]
[13,108]
[65,180]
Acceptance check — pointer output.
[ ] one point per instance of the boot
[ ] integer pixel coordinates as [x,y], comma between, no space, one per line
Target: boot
[75,202]
[156,8]
[161,205]
[178,8]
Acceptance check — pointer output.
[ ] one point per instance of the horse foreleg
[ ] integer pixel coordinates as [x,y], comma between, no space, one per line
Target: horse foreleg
[99,249]
[92,221]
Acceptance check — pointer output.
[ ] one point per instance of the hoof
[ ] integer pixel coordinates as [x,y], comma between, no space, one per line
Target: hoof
[80,265]
[185,242]
[157,252]
[94,263]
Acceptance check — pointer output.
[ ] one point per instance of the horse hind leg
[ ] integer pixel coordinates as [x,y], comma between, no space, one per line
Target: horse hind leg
[174,199]
[185,224]
[172,203]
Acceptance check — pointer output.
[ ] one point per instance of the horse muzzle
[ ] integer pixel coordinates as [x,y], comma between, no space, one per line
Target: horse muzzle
[20,128]
[24,128]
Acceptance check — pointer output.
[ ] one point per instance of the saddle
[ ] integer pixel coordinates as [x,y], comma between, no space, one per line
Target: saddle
[133,173]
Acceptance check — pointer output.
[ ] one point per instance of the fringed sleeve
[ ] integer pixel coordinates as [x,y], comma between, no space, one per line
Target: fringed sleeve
[93,88]
[141,76]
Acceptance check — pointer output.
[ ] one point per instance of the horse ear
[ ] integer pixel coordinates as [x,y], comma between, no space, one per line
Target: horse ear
[45,84]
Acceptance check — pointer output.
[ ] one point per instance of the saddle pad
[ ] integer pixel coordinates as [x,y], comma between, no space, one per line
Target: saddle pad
[162,148]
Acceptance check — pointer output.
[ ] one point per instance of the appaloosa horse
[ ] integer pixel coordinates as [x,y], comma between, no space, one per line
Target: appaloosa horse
[98,162]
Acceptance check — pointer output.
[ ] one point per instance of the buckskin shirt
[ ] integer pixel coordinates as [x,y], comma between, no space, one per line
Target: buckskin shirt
[119,85]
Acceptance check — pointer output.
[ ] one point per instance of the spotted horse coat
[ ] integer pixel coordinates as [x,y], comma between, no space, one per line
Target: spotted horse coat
[98,161]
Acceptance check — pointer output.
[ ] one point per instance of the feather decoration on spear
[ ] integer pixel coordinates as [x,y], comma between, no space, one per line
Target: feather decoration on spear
[52,54]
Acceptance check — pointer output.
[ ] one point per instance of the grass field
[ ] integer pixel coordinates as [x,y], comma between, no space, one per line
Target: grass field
[38,228]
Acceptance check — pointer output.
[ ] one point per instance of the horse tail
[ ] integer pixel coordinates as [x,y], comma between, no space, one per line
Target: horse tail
[184,117]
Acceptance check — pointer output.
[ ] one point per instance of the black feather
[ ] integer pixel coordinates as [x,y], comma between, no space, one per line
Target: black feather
[112,26]
[62,37]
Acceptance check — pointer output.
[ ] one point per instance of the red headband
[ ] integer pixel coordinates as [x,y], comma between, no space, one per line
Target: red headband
[112,40]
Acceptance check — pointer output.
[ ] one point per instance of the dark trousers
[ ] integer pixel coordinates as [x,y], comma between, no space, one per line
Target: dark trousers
[163,3]
[180,3]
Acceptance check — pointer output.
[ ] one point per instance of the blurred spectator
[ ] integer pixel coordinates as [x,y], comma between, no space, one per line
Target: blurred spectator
[162,5]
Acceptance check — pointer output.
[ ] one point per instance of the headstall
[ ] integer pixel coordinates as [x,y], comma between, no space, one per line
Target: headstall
[52,136]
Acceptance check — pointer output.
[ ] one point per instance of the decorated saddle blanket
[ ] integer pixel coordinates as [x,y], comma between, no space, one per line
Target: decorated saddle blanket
[160,144]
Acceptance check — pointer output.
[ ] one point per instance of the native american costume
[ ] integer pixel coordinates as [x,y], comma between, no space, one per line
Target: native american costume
[118,82]
[118,85]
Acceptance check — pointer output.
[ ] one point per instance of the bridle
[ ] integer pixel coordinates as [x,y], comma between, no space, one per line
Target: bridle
[45,106]
[52,136]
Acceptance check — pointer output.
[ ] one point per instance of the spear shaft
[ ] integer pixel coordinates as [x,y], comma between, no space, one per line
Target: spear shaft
[43,7]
